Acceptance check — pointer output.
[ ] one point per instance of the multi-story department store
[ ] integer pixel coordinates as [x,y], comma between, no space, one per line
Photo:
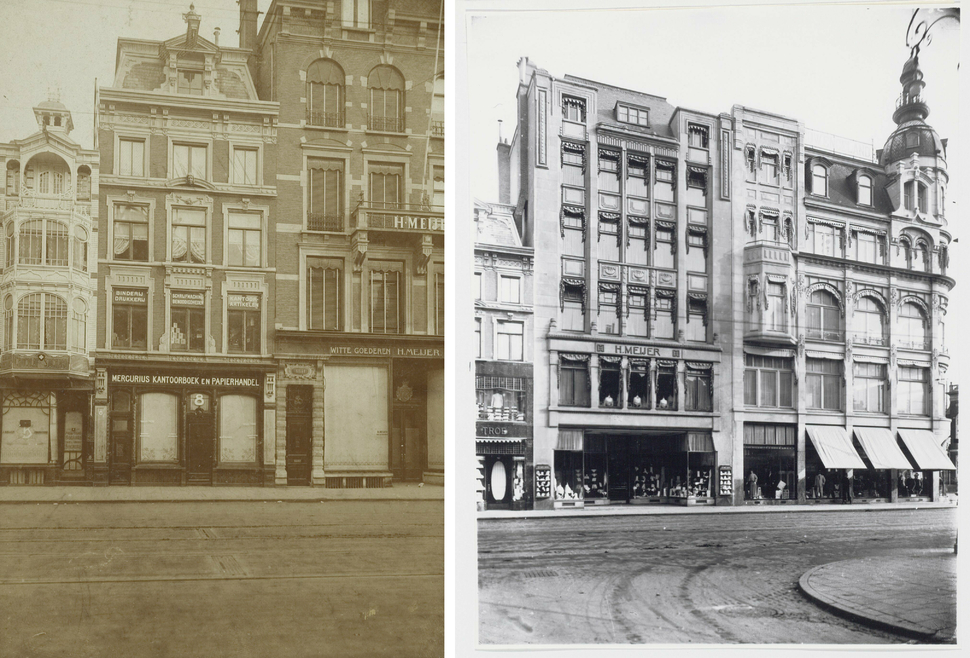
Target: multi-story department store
[728,306]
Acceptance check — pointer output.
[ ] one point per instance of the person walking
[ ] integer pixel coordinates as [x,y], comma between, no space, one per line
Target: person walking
[847,486]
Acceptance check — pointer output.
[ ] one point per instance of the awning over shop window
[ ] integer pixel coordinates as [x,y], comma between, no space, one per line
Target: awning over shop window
[881,448]
[834,447]
[926,450]
[570,440]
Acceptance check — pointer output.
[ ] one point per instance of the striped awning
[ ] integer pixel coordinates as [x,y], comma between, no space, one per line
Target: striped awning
[926,450]
[880,446]
[834,447]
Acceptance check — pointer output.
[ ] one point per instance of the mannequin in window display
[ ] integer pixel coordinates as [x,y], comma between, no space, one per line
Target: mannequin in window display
[780,489]
[901,487]
[910,483]
[752,485]
[819,484]
[918,484]
[608,401]
[637,402]
[662,404]
[847,485]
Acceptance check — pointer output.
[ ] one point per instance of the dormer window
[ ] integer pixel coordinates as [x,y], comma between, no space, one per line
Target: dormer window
[914,194]
[635,115]
[573,109]
[820,180]
[190,82]
[697,136]
[865,191]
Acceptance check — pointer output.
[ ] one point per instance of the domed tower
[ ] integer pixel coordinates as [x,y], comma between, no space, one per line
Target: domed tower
[914,159]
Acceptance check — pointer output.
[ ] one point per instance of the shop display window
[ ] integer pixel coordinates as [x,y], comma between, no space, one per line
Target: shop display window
[638,385]
[158,435]
[595,469]
[769,453]
[870,483]
[609,383]
[569,474]
[518,479]
[820,482]
[667,388]
[913,483]
[500,398]
[700,474]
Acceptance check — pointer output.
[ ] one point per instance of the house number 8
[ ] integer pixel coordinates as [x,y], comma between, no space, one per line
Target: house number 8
[199,400]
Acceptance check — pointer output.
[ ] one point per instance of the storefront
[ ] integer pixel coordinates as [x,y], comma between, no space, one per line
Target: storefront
[369,412]
[882,456]
[924,449]
[45,434]
[593,467]
[829,452]
[173,424]
[769,462]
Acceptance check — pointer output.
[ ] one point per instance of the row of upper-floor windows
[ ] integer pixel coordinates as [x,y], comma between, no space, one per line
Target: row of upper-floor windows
[769,382]
[869,322]
[47,178]
[917,195]
[636,249]
[187,158]
[42,321]
[45,242]
[574,109]
[868,247]
[386,98]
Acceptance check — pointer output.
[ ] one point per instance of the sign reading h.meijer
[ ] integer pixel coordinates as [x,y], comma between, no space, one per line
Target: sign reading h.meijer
[406,352]
[637,350]
[409,222]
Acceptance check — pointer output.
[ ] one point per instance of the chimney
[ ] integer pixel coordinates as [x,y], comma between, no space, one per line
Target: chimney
[247,23]
[504,151]
[215,35]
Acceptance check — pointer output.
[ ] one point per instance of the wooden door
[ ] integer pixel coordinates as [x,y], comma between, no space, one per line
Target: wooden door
[618,468]
[408,444]
[499,480]
[200,440]
[121,426]
[299,434]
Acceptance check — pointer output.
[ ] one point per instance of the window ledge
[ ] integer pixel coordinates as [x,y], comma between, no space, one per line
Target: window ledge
[160,465]
[248,466]
[370,131]
[343,128]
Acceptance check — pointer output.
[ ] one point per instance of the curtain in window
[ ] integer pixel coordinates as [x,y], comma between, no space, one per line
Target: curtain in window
[158,427]
[237,429]
[55,323]
[324,296]
[28,322]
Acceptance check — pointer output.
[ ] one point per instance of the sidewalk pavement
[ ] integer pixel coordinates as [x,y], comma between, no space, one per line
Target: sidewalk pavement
[913,595]
[645,510]
[58,495]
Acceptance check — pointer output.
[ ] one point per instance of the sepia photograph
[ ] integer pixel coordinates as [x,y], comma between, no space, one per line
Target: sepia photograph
[711,256]
[222,366]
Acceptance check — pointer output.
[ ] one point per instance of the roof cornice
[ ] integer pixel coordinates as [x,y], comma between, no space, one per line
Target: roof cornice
[207,103]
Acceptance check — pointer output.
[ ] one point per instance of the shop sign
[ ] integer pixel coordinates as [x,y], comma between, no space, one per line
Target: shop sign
[401,352]
[73,424]
[130,296]
[184,380]
[101,384]
[726,481]
[512,430]
[543,481]
[244,301]
[182,298]
[637,350]
[406,222]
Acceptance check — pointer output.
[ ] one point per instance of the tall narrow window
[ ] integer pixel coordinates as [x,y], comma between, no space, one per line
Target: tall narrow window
[10,244]
[664,324]
[820,180]
[130,232]
[697,136]
[870,384]
[865,191]
[637,244]
[386,99]
[385,186]
[187,332]
[823,315]
[608,319]
[79,326]
[189,160]
[609,246]
[245,240]
[478,338]
[663,186]
[8,322]
[29,322]
[637,174]
[768,174]
[574,166]
[573,109]
[129,318]
[356,13]
[325,91]
[131,157]
[911,327]
[243,320]
[55,323]
[32,242]
[824,383]
[439,303]
[868,248]
[696,186]
[574,380]
[244,166]
[573,304]
[913,391]
[326,194]
[385,305]
[776,316]
[663,248]
[696,251]
[868,322]
[80,248]
[57,244]
[573,232]
[438,107]
[921,257]
[636,324]
[13,178]
[438,187]
[323,294]
[609,171]
[188,235]
[697,319]
[508,341]
[698,393]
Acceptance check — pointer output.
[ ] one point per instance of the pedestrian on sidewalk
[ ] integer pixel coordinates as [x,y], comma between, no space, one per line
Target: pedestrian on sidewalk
[847,486]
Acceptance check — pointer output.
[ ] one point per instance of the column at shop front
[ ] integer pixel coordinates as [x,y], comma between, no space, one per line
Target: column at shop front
[317,476]
[269,428]
[100,452]
[280,479]
[624,382]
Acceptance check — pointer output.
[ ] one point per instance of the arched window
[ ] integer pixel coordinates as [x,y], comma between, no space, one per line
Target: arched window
[869,322]
[13,178]
[47,173]
[820,180]
[823,316]
[865,191]
[41,322]
[921,257]
[325,94]
[906,247]
[84,183]
[386,86]
[32,242]
[911,326]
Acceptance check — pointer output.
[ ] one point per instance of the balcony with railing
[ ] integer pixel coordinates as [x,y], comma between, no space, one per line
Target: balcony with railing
[836,335]
[325,119]
[861,338]
[385,124]
[501,414]
[399,217]
[318,221]
[915,343]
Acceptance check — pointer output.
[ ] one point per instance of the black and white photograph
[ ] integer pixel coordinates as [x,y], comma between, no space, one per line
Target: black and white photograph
[222,374]
[711,256]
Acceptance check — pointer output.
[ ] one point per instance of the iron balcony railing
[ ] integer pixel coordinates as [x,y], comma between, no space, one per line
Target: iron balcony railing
[325,119]
[318,221]
[385,124]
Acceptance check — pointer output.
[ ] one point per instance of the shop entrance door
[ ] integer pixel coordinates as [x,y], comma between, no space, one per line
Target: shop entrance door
[619,469]
[299,434]
[200,440]
[120,419]
[408,444]
[498,480]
